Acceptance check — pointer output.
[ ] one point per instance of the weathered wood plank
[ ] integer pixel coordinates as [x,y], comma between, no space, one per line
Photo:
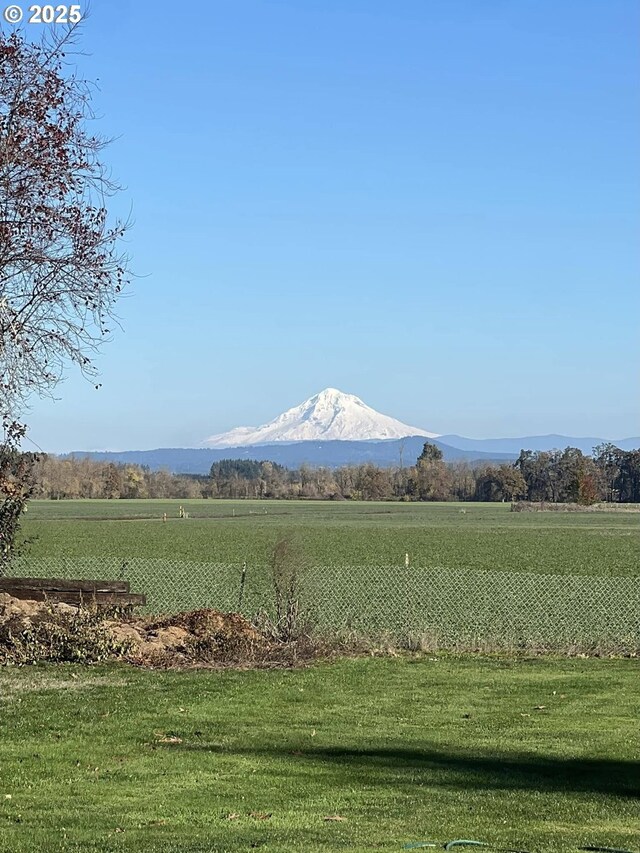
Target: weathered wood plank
[100,599]
[88,599]
[62,584]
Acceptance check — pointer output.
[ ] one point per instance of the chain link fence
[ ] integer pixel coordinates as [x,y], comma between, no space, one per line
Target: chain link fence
[429,608]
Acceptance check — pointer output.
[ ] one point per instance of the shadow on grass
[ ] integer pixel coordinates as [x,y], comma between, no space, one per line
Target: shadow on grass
[398,765]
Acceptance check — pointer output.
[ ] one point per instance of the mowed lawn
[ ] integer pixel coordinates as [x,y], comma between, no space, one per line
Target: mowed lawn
[465,536]
[358,755]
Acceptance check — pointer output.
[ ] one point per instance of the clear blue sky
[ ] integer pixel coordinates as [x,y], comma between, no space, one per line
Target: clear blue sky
[432,204]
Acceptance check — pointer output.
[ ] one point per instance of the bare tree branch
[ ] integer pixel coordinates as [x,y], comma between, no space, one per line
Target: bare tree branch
[61,271]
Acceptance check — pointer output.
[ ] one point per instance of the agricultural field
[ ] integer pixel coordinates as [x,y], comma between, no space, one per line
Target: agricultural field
[358,754]
[485,537]
[479,576]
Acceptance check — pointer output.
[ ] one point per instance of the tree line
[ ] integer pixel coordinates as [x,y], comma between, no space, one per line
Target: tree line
[60,478]
[556,476]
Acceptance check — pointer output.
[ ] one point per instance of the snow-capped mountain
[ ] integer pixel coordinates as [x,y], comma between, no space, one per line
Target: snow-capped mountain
[330,415]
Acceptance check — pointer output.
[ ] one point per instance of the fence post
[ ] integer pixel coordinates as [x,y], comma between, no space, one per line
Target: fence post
[242,580]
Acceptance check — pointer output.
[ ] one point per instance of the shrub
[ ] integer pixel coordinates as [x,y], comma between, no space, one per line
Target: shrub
[74,636]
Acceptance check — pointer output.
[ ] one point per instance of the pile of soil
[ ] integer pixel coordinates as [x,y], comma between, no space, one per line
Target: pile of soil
[197,637]
[16,608]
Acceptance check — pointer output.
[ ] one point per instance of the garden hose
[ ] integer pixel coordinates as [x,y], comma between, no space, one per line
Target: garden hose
[463,842]
[467,842]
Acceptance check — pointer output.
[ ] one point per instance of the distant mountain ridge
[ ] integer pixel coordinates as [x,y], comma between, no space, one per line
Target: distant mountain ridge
[327,454]
[332,429]
[534,442]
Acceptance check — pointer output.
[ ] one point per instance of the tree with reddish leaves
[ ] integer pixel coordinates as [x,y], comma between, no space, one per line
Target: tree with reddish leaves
[61,270]
[17,484]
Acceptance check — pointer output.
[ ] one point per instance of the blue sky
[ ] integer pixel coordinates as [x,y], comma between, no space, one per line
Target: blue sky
[432,204]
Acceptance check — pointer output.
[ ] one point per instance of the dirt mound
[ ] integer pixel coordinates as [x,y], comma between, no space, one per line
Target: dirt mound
[197,636]
[36,630]
[11,607]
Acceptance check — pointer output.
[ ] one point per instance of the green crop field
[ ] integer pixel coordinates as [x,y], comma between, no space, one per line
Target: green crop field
[474,536]
[479,576]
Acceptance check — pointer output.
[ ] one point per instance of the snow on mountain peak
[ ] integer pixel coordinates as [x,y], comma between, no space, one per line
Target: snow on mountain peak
[330,415]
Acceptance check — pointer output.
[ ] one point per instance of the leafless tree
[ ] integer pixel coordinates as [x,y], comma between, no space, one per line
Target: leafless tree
[61,270]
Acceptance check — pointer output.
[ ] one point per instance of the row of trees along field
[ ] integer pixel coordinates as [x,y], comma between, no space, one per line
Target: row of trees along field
[558,476]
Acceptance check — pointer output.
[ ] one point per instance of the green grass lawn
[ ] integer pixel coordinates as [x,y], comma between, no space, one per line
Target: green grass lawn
[542,755]
[484,536]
